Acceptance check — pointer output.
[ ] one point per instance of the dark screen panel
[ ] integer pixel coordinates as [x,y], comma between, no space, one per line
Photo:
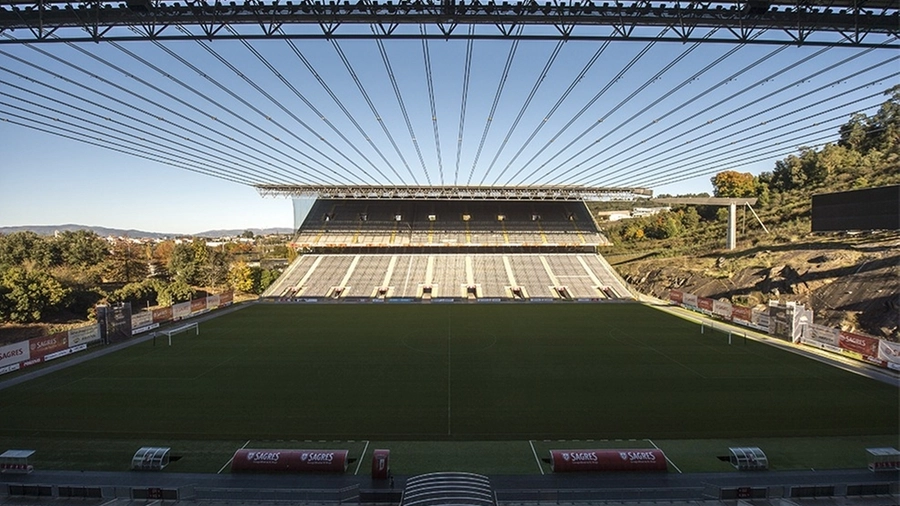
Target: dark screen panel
[870,209]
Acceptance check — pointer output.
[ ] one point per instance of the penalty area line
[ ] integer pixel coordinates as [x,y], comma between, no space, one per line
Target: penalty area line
[536,459]
[232,458]
[365,449]
[667,457]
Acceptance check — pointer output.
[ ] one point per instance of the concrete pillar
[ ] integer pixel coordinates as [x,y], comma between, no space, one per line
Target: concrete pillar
[731,238]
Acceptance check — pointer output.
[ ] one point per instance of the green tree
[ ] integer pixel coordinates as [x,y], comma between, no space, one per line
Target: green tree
[81,248]
[734,184]
[28,294]
[182,265]
[240,277]
[126,263]
[175,292]
[19,248]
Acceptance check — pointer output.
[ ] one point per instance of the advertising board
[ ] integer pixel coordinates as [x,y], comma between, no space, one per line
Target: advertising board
[890,353]
[690,300]
[226,298]
[141,321]
[863,345]
[198,305]
[676,296]
[741,314]
[14,353]
[84,335]
[162,314]
[722,308]
[181,310]
[563,461]
[212,301]
[290,461]
[42,346]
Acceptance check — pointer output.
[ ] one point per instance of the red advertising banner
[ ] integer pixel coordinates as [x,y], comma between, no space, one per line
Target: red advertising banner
[563,461]
[704,303]
[226,298]
[198,305]
[41,346]
[676,296]
[744,314]
[864,345]
[381,464]
[290,461]
[162,314]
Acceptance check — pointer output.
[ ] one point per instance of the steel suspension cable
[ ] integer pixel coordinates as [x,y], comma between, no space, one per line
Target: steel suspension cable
[490,116]
[746,89]
[582,111]
[312,70]
[771,108]
[183,149]
[515,123]
[653,171]
[431,102]
[648,107]
[412,135]
[260,113]
[100,141]
[378,117]
[669,66]
[690,101]
[467,73]
[291,171]
[138,97]
[581,75]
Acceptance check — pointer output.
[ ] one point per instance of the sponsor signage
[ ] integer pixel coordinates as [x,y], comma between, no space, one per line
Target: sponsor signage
[290,461]
[14,353]
[742,314]
[563,461]
[863,345]
[9,368]
[181,310]
[162,315]
[812,342]
[198,305]
[226,298]
[42,346]
[690,300]
[141,321]
[823,335]
[212,301]
[722,308]
[676,296]
[381,464]
[890,353]
[705,304]
[84,335]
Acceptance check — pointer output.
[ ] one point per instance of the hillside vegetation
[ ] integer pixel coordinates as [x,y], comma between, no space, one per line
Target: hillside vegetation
[851,280]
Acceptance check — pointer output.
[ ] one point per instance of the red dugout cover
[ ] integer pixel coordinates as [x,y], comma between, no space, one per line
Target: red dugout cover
[563,461]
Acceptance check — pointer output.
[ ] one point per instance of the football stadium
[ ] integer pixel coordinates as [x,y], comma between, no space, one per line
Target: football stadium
[451,339]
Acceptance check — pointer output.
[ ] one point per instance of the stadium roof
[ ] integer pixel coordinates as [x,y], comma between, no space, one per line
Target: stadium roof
[551,192]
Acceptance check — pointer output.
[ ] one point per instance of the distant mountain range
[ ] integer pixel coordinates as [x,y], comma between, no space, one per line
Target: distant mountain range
[137,234]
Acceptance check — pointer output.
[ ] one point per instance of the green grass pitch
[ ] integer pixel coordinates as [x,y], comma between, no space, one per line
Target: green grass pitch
[298,375]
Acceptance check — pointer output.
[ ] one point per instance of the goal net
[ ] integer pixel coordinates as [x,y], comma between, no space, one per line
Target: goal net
[178,330]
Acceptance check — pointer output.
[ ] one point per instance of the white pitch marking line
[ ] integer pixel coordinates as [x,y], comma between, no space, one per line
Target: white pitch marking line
[232,458]
[536,459]
[361,458]
[667,457]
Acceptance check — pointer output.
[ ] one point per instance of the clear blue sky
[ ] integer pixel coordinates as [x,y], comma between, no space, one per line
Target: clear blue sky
[653,131]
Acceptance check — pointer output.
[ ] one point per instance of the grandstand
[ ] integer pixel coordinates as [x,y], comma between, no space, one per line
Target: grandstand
[431,249]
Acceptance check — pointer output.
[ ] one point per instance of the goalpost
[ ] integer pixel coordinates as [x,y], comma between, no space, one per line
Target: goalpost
[177,330]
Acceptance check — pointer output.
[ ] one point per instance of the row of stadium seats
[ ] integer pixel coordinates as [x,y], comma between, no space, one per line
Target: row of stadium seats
[449,275]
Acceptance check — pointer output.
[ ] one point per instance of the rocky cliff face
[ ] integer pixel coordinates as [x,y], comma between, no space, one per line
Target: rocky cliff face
[853,284]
